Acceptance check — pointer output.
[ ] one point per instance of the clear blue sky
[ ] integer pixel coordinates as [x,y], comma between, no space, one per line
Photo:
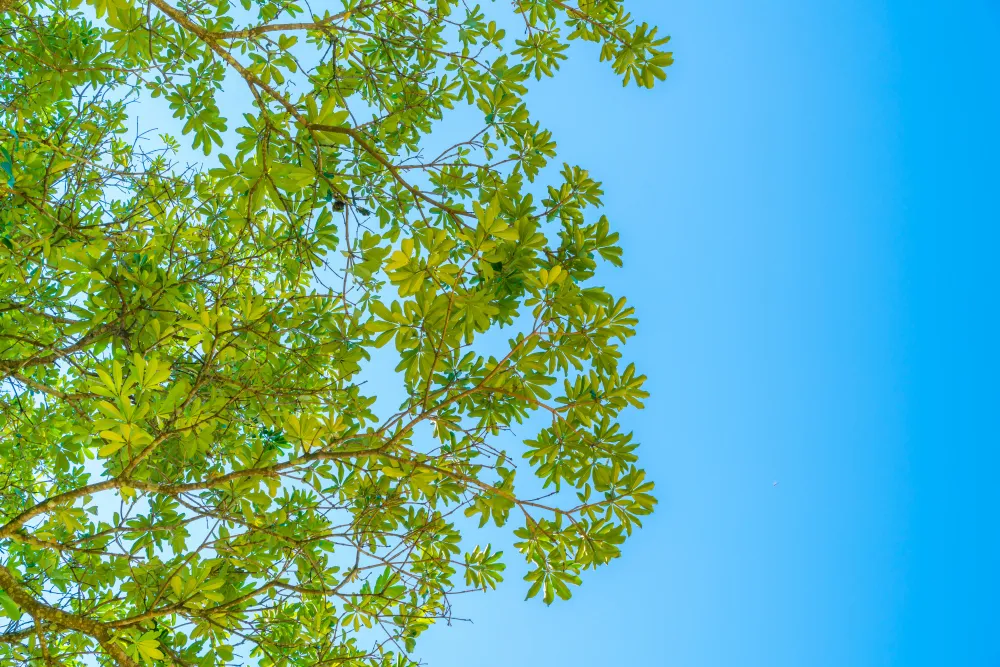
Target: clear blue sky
[809,213]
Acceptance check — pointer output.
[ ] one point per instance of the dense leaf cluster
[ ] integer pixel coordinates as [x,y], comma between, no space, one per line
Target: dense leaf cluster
[192,471]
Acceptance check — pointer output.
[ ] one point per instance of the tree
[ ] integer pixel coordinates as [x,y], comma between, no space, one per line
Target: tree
[192,471]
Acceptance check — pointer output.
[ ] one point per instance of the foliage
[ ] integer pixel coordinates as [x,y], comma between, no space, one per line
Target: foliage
[192,471]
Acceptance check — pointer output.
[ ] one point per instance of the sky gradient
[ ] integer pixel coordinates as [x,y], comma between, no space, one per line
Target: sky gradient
[808,212]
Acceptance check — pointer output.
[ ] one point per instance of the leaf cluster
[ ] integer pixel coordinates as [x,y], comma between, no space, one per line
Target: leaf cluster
[192,468]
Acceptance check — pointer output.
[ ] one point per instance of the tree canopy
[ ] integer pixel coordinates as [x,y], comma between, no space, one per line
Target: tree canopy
[192,468]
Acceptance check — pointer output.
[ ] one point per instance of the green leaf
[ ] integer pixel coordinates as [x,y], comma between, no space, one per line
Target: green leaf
[10,608]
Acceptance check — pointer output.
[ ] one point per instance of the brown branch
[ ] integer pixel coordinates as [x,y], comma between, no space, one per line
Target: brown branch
[43,612]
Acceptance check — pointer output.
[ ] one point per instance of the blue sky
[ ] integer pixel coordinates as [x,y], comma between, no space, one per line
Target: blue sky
[808,210]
